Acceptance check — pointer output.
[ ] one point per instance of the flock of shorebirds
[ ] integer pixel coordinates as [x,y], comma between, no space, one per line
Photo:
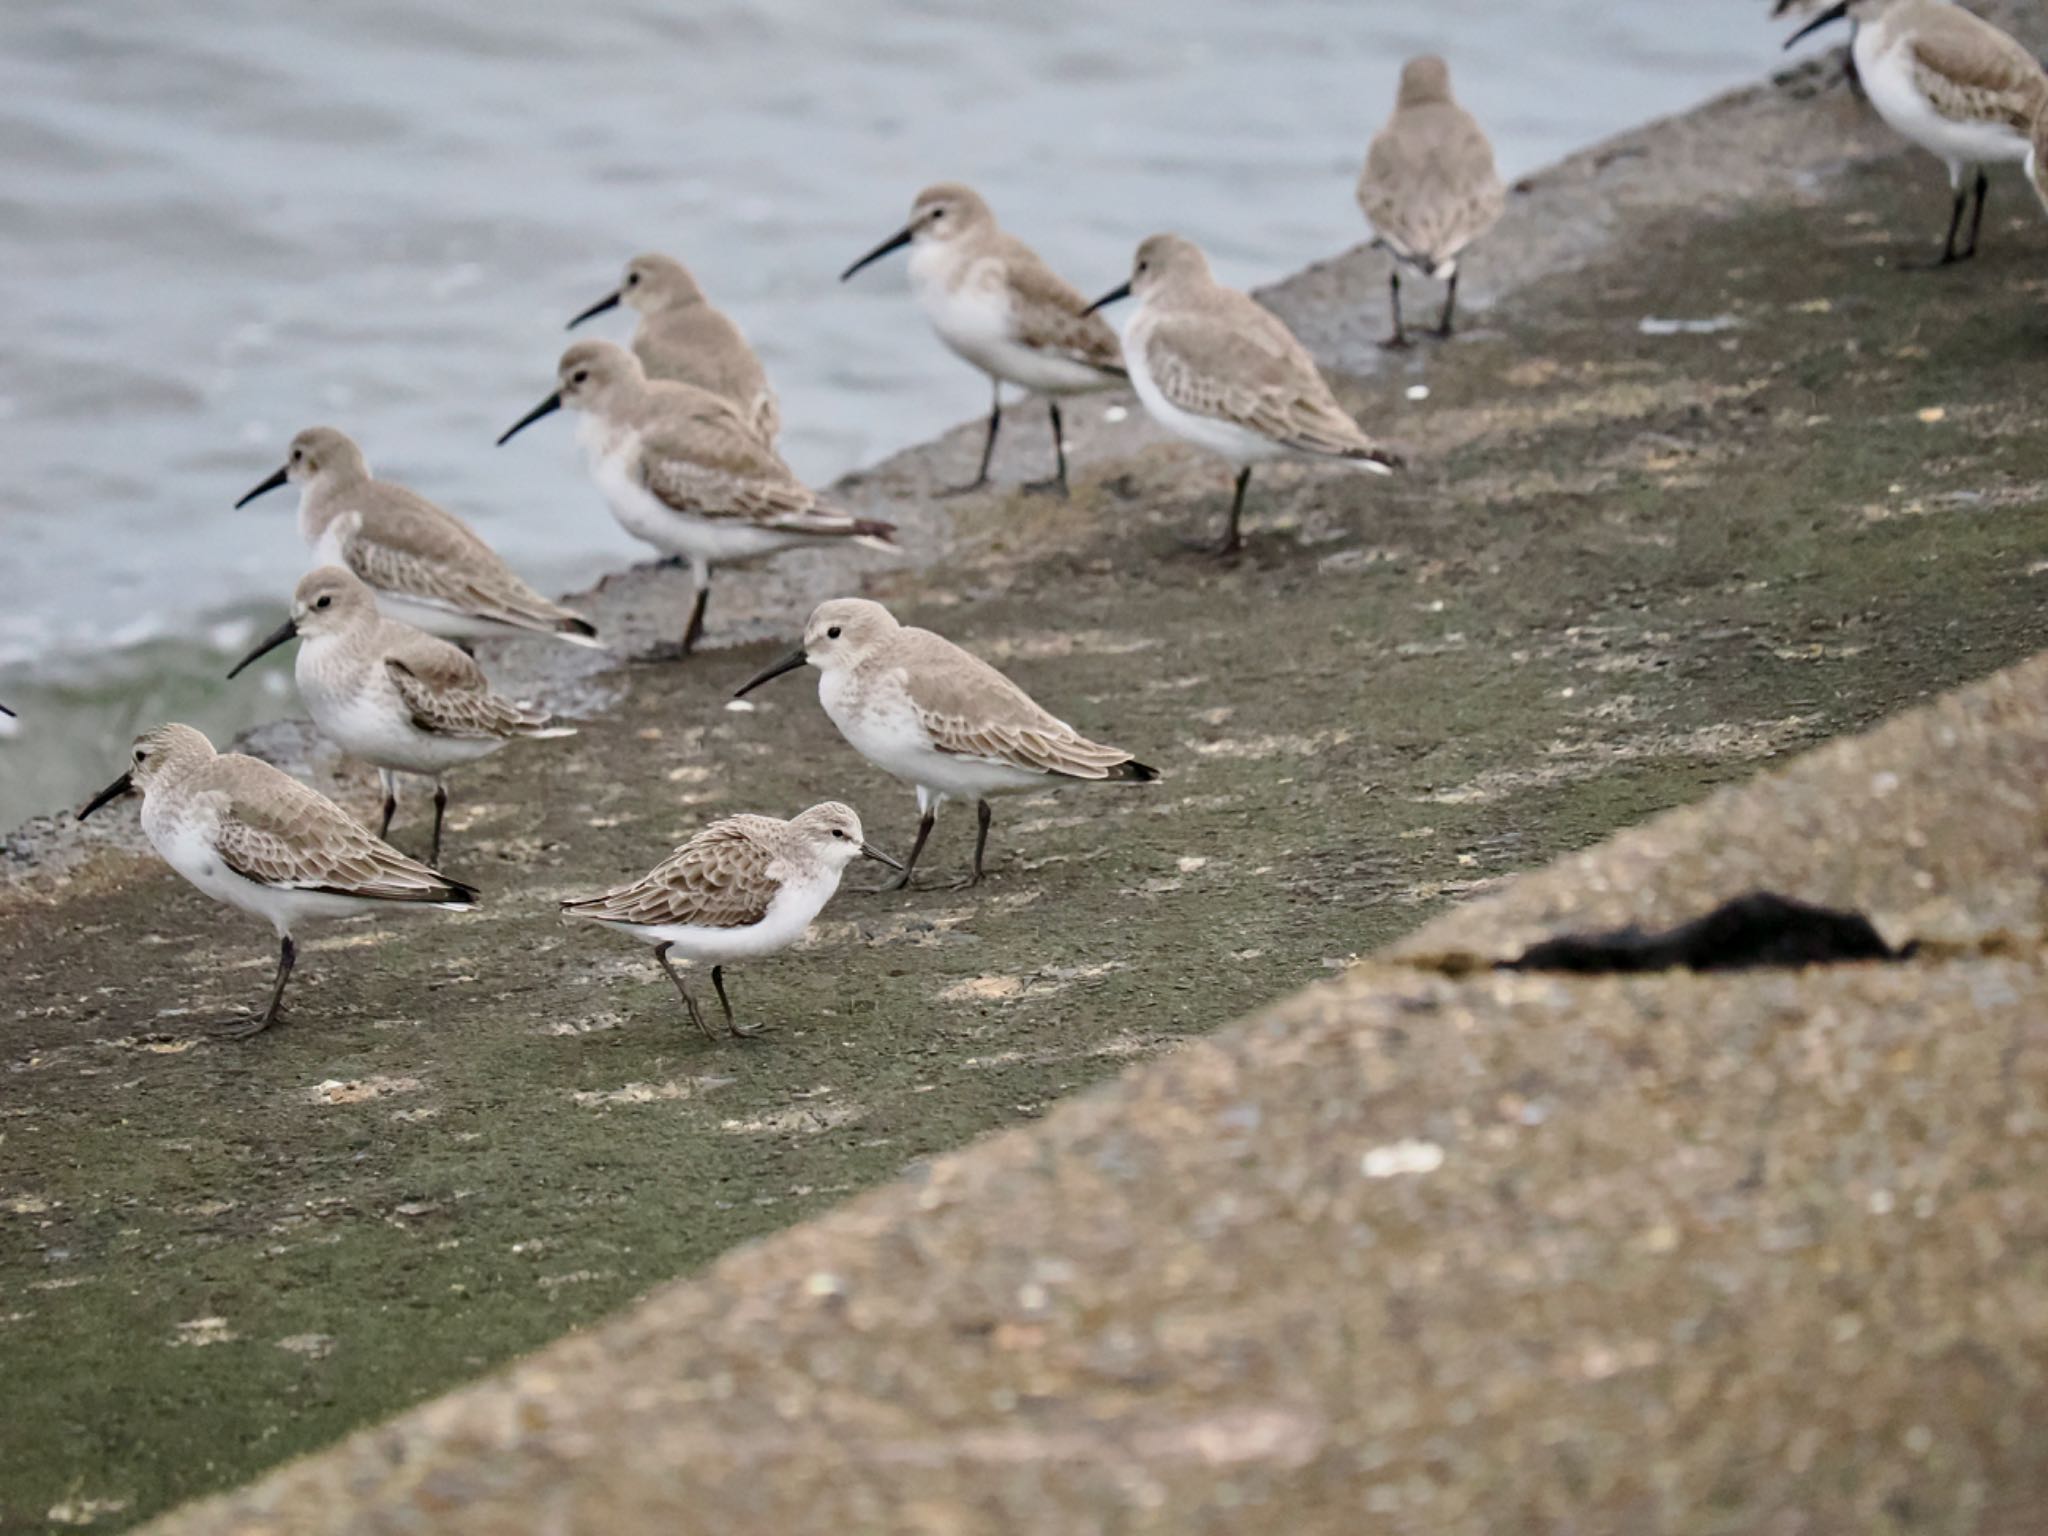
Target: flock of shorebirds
[679,436]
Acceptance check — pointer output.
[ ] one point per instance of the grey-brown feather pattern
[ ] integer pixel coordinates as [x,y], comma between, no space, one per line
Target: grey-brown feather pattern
[1235,361]
[1429,187]
[1049,314]
[969,709]
[403,543]
[272,829]
[1977,74]
[721,878]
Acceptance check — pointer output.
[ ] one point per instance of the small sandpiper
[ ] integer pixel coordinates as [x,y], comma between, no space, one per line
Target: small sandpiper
[682,336]
[744,886]
[1216,367]
[394,696]
[427,567]
[682,469]
[942,720]
[1429,187]
[996,304]
[1952,83]
[258,839]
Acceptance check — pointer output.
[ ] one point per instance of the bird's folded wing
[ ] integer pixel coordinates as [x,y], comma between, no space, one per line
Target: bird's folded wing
[718,879]
[1977,74]
[712,463]
[285,835]
[1247,369]
[969,709]
[449,701]
[1048,314]
[461,574]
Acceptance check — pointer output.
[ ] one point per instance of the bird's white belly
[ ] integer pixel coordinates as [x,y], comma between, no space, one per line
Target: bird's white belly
[974,320]
[186,845]
[888,735]
[367,719]
[1240,445]
[1886,68]
[703,541]
[788,915]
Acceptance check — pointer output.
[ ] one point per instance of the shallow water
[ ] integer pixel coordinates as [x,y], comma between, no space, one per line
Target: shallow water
[221,225]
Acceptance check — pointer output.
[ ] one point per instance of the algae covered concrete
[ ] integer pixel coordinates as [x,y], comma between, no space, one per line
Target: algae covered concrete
[1406,1254]
[1625,569]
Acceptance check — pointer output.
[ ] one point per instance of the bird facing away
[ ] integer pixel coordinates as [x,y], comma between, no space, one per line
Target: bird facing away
[1429,187]
[427,567]
[744,886]
[684,337]
[1953,84]
[253,837]
[394,696]
[945,722]
[682,470]
[1217,368]
[996,304]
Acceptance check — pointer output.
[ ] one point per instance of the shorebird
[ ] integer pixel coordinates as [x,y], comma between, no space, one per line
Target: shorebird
[394,696]
[990,299]
[427,567]
[682,336]
[682,470]
[1214,366]
[253,837]
[1429,188]
[1952,83]
[942,720]
[744,886]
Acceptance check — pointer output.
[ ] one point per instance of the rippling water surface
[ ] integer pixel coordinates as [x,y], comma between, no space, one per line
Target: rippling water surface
[225,222]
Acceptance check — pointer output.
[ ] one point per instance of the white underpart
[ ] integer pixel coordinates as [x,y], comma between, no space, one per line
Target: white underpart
[357,706]
[613,456]
[875,715]
[184,839]
[790,912]
[1884,61]
[967,301]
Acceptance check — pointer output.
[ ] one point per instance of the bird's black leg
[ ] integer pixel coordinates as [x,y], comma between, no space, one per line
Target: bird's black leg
[718,986]
[1400,337]
[924,830]
[440,814]
[1443,325]
[242,1029]
[1948,248]
[390,802]
[694,630]
[988,446]
[1977,214]
[1058,483]
[689,1002]
[982,817]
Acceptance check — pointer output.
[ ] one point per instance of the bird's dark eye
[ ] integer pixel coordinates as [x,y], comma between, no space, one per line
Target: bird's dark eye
[837,833]
[298,454]
[580,376]
[632,278]
[832,633]
[141,754]
[325,602]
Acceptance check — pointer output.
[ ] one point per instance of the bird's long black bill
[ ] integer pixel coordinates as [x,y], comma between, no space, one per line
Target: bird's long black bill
[1115,295]
[1826,18]
[547,407]
[270,484]
[789,663]
[113,791]
[288,630]
[870,851]
[609,301]
[895,242]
